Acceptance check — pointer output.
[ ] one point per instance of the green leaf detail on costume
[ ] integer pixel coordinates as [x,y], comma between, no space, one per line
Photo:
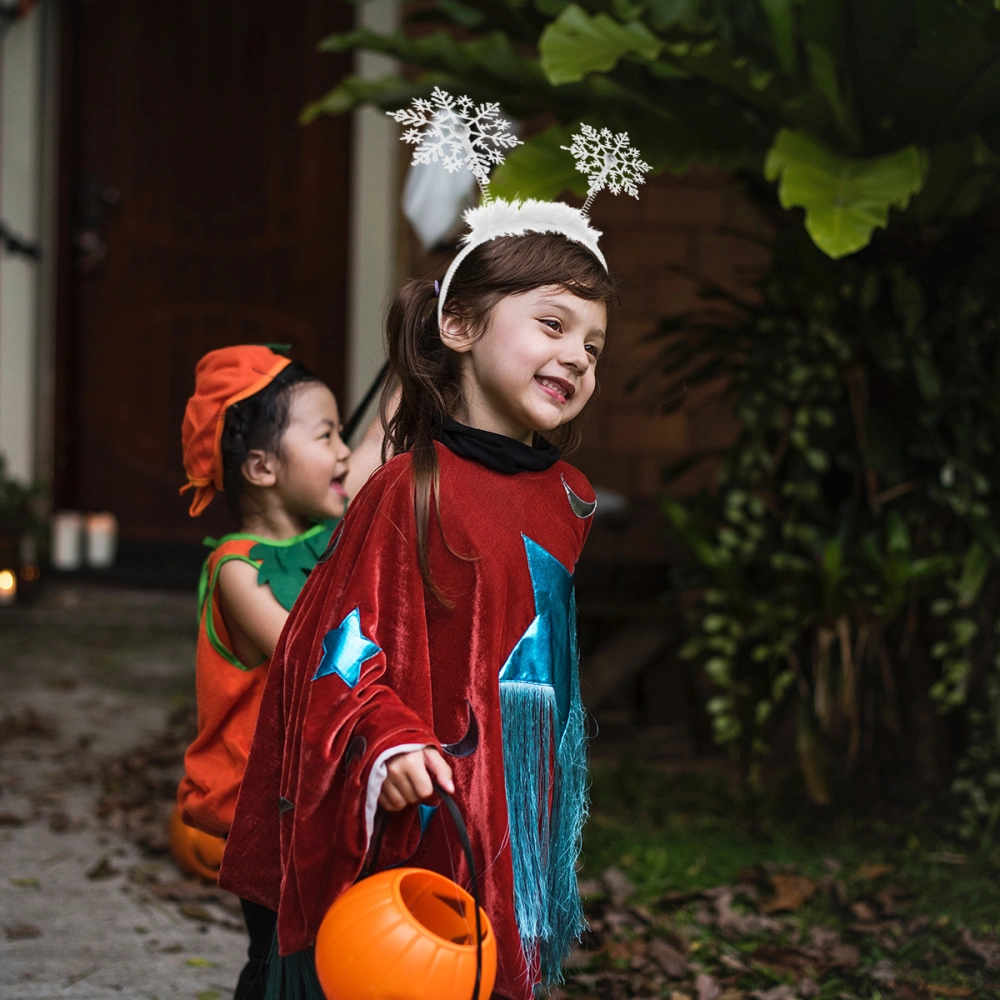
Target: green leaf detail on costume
[285,567]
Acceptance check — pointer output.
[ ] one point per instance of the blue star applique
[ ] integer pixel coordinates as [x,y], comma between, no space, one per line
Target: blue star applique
[543,654]
[345,649]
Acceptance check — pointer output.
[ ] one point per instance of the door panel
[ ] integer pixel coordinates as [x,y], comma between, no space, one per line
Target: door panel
[228,226]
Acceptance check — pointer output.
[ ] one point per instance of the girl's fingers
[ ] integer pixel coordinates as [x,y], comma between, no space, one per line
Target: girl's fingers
[420,780]
[405,773]
[407,784]
[439,769]
[391,798]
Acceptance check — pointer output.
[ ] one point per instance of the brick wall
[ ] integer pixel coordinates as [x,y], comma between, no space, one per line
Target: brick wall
[689,222]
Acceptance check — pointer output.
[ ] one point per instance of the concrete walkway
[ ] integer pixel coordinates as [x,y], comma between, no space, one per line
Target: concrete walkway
[86,675]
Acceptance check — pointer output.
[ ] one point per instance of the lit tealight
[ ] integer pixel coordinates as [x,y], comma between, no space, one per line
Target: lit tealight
[8,586]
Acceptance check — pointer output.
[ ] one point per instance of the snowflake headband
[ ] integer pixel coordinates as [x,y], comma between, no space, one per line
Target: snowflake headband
[463,135]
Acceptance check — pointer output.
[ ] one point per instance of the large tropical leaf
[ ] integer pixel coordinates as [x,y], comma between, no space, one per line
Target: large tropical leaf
[845,200]
[576,44]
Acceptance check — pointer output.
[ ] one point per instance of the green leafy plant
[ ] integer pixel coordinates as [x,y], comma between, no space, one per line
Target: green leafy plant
[17,499]
[854,110]
[848,561]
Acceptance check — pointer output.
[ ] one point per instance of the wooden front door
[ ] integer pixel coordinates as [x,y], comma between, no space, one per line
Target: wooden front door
[224,222]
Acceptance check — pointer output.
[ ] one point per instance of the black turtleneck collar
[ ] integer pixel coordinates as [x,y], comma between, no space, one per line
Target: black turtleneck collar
[496,451]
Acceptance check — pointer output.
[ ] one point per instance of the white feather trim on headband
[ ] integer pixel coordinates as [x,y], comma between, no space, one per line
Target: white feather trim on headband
[515,218]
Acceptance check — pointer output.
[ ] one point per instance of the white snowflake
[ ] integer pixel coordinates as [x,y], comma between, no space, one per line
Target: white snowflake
[609,161]
[458,133]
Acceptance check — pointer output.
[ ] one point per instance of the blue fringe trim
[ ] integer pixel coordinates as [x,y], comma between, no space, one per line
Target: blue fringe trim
[545,846]
[292,977]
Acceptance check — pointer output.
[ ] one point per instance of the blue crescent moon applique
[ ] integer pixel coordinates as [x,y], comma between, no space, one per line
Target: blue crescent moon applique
[345,649]
[543,654]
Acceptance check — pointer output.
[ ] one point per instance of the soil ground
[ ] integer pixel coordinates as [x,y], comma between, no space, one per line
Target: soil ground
[86,675]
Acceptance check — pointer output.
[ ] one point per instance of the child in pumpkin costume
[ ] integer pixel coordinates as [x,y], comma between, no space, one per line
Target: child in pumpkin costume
[437,643]
[266,431]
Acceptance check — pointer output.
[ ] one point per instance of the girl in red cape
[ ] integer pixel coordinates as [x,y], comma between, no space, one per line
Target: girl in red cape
[436,639]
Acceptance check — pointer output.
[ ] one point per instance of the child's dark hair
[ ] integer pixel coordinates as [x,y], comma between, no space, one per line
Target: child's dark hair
[257,422]
[426,371]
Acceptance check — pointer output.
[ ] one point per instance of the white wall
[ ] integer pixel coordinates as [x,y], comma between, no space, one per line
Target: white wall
[20,195]
[374,212]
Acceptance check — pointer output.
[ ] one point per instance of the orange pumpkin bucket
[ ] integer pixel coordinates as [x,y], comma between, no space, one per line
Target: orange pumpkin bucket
[195,852]
[408,934]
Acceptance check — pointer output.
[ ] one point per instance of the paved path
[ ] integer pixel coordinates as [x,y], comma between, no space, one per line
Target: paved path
[84,677]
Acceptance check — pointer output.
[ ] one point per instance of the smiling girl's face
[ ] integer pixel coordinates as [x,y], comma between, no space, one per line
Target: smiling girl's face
[534,367]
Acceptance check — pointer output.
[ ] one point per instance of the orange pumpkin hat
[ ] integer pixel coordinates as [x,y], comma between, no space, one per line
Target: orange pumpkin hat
[223,377]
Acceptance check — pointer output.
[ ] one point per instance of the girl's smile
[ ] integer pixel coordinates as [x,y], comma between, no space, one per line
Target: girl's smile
[337,485]
[558,388]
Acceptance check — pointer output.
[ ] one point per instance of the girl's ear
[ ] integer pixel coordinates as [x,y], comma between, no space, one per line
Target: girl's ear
[455,334]
[260,468]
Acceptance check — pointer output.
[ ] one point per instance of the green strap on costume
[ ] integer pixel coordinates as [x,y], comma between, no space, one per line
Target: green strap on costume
[205,602]
[282,564]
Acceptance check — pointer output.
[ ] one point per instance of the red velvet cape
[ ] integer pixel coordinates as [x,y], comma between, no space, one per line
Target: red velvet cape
[429,675]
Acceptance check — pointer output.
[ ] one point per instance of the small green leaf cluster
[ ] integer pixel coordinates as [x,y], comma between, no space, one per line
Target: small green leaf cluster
[847,563]
[18,499]
[976,787]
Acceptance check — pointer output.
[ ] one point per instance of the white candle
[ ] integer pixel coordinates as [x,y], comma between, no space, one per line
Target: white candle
[102,539]
[67,538]
[8,586]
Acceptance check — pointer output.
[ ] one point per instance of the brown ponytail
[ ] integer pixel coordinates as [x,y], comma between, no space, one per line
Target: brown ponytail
[427,373]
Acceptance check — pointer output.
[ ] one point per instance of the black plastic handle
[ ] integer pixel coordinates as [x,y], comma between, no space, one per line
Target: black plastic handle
[351,423]
[463,836]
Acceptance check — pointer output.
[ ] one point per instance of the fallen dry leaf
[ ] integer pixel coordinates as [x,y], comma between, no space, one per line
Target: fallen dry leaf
[776,993]
[826,946]
[790,893]
[947,991]
[619,951]
[20,932]
[872,872]
[103,869]
[59,821]
[27,723]
[865,912]
[807,988]
[707,987]
[888,900]
[670,960]
[787,961]
[617,885]
[883,971]
[986,950]
[737,924]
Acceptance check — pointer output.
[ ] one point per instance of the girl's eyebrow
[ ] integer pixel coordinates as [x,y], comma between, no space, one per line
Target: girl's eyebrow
[551,302]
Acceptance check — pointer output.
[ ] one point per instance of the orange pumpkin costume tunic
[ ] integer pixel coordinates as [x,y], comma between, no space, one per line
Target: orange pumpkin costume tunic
[229,691]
